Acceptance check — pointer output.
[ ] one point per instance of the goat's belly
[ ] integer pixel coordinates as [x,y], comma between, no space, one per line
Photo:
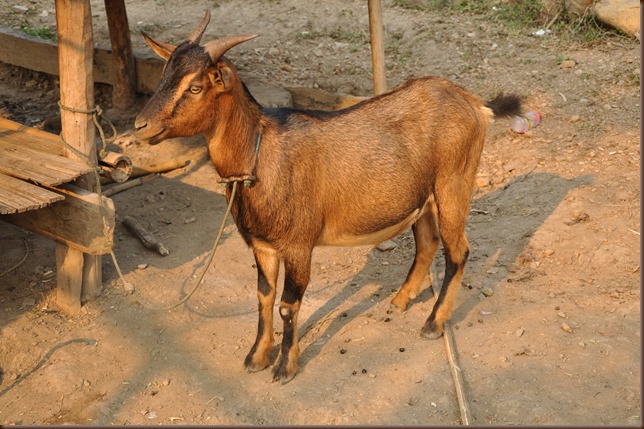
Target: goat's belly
[333,237]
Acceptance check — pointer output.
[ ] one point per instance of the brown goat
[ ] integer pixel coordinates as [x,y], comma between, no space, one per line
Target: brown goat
[406,158]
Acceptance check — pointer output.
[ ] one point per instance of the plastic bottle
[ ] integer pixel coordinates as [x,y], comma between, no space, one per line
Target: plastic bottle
[521,124]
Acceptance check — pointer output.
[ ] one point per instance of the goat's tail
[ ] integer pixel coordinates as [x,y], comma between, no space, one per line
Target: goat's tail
[505,105]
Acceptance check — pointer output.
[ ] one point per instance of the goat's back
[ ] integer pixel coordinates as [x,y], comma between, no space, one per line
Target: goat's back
[375,164]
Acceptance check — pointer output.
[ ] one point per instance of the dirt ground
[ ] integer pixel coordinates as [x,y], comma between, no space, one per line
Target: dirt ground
[547,323]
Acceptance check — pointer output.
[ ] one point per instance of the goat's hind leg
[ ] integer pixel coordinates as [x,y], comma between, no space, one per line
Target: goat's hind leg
[426,236]
[453,208]
[267,271]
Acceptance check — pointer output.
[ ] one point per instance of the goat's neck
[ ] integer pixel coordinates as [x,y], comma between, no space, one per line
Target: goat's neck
[232,141]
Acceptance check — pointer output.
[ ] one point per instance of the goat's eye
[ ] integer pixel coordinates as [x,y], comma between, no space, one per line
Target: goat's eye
[195,89]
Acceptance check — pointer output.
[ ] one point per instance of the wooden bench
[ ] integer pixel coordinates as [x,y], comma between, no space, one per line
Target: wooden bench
[35,194]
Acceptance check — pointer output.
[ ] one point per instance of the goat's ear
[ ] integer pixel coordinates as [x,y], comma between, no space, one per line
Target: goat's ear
[164,50]
[221,77]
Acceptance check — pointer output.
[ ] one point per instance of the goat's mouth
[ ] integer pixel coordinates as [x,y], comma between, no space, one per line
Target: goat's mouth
[151,136]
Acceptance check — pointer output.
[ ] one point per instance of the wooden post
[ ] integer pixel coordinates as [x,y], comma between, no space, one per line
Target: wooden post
[124,76]
[76,54]
[376,30]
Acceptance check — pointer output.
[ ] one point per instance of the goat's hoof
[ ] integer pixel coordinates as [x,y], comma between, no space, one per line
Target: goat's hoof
[398,304]
[281,372]
[255,367]
[394,309]
[432,331]
[252,366]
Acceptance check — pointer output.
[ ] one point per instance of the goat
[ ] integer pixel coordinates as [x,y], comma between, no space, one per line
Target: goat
[358,176]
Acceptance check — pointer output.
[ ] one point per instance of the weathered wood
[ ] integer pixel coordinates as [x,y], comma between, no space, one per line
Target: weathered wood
[78,221]
[22,50]
[20,161]
[30,137]
[147,239]
[124,74]
[128,185]
[17,196]
[311,98]
[76,57]
[25,51]
[92,277]
[377,47]
[169,165]
[69,276]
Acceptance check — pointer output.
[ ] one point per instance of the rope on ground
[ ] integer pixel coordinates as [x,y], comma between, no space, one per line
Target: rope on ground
[208,260]
[21,261]
[450,348]
[51,351]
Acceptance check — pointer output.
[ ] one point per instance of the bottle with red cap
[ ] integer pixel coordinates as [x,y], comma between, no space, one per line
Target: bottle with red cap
[521,124]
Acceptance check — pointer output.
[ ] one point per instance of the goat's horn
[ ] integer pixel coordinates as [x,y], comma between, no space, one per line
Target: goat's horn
[195,37]
[217,48]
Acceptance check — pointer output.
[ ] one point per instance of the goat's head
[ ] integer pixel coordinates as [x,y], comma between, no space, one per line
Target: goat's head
[193,78]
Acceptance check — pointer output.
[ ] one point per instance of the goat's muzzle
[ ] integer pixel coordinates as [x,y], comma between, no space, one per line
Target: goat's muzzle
[143,131]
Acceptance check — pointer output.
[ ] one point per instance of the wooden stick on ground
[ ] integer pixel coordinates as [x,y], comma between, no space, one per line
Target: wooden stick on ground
[127,185]
[164,167]
[144,236]
[463,405]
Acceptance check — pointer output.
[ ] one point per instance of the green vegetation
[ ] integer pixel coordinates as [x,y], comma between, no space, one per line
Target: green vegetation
[520,16]
[41,33]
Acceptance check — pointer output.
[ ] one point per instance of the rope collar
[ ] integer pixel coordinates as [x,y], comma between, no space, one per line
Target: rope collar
[246,179]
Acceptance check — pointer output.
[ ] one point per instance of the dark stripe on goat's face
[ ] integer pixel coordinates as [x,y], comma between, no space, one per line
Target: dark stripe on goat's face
[173,109]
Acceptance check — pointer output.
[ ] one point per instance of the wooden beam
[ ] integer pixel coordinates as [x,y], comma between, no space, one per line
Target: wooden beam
[376,30]
[75,64]
[124,73]
[22,50]
[40,55]
[318,99]
[81,220]
[69,278]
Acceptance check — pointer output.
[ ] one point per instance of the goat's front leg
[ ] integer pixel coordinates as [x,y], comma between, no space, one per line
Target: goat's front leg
[268,264]
[296,278]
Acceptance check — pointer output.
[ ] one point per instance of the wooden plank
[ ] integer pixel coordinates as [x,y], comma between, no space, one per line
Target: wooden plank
[124,72]
[69,278]
[17,196]
[46,168]
[42,56]
[318,99]
[80,221]
[22,50]
[376,30]
[32,137]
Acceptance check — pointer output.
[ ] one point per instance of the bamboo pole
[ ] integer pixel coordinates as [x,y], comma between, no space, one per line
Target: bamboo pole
[450,348]
[376,30]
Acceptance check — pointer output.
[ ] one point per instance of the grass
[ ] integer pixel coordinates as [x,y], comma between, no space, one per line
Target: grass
[520,16]
[41,33]
[585,30]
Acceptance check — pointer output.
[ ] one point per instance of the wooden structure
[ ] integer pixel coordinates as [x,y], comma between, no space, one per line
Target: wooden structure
[79,220]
